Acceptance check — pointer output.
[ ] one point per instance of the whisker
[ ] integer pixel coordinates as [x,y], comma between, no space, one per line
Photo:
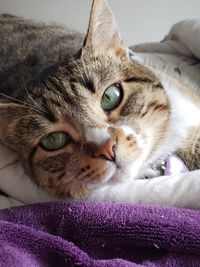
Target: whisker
[19,101]
[32,99]
[12,98]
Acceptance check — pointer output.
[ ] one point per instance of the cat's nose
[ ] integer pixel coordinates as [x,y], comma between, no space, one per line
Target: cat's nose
[106,150]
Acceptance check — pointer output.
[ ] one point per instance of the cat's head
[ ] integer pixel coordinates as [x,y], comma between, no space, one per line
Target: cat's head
[97,119]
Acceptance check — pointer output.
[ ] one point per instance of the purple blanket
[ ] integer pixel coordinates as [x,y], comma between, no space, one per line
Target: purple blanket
[99,234]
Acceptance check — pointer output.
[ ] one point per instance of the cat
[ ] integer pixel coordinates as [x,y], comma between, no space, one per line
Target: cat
[81,114]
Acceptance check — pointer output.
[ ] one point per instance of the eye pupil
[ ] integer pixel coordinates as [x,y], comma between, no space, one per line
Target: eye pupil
[111,97]
[107,97]
[52,139]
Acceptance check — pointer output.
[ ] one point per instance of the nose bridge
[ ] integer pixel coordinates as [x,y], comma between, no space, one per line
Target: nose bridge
[101,142]
[96,135]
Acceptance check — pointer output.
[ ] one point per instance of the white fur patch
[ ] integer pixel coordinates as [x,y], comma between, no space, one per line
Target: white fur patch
[97,135]
[133,169]
[129,131]
[184,115]
[182,107]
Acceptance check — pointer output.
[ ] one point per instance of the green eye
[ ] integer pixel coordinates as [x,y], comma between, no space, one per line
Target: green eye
[111,97]
[55,141]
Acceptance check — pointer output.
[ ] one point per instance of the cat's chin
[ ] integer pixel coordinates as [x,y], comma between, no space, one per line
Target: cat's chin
[114,175]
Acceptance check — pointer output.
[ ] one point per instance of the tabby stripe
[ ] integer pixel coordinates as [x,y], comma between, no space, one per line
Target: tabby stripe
[158,85]
[55,88]
[58,87]
[55,102]
[70,99]
[61,87]
[50,116]
[156,106]
[138,80]
[87,83]
[30,158]
[52,170]
[60,176]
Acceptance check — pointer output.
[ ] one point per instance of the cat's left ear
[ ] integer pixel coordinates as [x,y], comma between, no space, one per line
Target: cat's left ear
[102,35]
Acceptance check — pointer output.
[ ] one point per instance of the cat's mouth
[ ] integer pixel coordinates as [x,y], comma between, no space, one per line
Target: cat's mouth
[111,174]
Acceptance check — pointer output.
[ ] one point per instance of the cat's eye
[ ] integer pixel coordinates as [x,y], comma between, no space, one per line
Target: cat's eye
[111,97]
[55,141]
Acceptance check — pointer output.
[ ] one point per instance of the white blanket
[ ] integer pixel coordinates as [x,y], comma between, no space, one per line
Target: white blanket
[16,184]
[181,49]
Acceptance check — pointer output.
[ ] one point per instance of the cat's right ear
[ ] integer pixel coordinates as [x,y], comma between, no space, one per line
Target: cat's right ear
[102,35]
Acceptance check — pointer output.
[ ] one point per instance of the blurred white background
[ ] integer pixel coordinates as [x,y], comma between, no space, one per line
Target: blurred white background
[138,20]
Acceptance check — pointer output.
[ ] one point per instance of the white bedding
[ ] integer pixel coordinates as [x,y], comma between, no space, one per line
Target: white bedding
[16,184]
[180,50]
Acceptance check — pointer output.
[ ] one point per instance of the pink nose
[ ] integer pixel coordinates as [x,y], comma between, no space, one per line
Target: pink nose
[106,150]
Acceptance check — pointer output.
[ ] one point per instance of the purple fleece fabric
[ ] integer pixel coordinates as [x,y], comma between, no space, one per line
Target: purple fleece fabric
[98,234]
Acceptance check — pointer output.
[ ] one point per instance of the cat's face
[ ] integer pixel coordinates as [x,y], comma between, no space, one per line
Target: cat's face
[104,117]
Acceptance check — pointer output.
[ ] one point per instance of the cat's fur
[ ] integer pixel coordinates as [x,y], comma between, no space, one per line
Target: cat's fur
[59,84]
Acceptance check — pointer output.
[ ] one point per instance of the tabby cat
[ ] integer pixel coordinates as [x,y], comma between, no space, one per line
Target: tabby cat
[81,113]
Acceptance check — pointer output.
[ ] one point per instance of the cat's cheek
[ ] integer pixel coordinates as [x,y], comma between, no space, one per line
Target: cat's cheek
[96,177]
[130,156]
[96,172]
[127,150]
[126,154]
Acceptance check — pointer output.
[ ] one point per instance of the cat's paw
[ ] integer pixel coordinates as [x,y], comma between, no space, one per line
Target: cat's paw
[150,173]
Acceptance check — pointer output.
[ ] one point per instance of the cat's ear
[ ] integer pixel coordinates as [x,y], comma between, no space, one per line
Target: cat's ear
[103,35]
